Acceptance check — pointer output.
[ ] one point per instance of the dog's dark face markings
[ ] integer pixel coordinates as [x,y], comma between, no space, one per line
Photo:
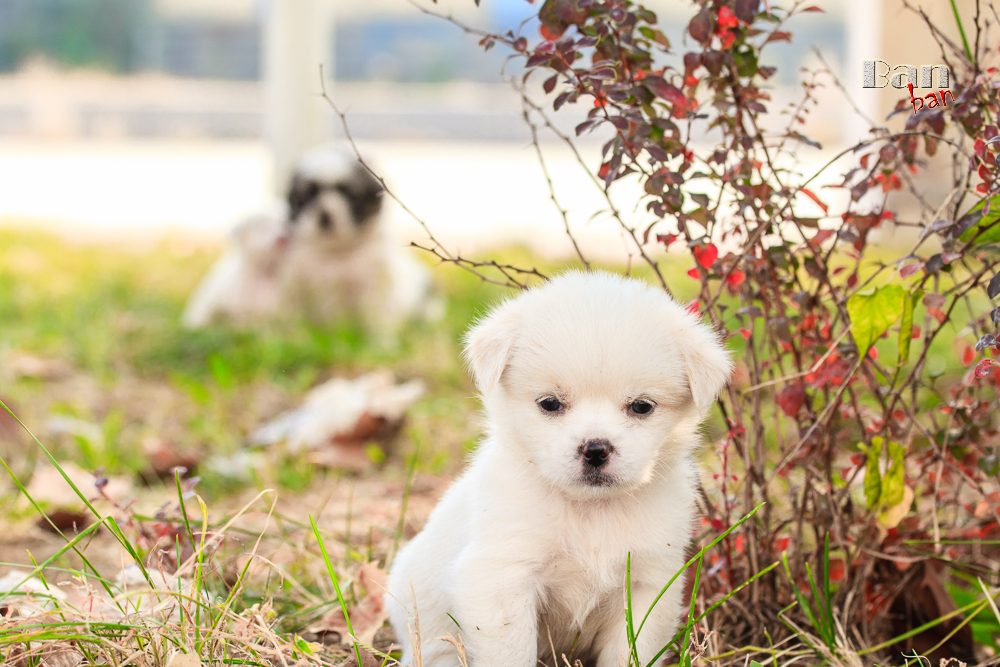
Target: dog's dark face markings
[361,190]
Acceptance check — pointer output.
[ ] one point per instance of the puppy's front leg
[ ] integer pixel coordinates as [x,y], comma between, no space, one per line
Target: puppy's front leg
[497,609]
[656,632]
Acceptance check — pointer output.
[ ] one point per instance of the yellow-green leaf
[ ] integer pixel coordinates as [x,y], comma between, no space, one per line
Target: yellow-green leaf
[987,223]
[894,481]
[873,478]
[906,325]
[891,517]
[872,313]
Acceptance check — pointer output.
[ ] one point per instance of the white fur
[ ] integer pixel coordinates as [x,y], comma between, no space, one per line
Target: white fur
[522,547]
[245,284]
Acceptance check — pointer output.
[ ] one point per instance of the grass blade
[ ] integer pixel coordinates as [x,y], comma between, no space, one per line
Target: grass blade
[628,610]
[694,559]
[336,586]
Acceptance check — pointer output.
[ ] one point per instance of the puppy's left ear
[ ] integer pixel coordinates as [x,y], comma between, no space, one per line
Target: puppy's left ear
[709,365]
[488,346]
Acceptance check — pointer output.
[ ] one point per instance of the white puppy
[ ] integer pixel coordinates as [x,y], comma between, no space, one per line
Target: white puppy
[336,259]
[594,386]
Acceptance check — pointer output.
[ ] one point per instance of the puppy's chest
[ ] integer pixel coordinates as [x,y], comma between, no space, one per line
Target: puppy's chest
[578,581]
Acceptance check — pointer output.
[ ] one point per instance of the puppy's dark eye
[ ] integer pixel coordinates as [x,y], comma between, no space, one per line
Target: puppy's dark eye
[550,404]
[325,221]
[640,407]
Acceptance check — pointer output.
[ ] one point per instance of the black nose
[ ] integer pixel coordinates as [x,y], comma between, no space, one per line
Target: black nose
[596,452]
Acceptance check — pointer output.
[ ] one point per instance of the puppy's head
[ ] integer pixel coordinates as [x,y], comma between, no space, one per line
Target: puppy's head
[333,200]
[595,380]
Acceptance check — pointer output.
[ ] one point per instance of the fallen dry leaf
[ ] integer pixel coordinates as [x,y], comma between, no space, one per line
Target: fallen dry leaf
[343,411]
[64,521]
[49,488]
[10,430]
[21,364]
[164,457]
[367,617]
[60,655]
[179,659]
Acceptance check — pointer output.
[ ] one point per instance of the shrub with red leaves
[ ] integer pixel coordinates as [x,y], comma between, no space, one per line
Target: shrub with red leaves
[857,420]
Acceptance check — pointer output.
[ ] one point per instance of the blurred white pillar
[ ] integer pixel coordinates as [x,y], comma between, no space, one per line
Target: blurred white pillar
[298,40]
[864,42]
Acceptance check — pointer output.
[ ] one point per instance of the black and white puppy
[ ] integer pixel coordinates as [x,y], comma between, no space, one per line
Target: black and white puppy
[327,255]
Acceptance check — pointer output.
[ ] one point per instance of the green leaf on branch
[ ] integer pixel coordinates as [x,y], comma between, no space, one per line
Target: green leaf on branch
[895,476]
[986,226]
[906,325]
[873,478]
[873,312]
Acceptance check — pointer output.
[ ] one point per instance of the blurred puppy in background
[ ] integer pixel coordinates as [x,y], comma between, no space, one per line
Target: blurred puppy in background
[326,254]
[593,386]
[244,286]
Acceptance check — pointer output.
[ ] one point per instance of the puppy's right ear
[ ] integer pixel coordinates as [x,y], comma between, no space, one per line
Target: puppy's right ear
[488,347]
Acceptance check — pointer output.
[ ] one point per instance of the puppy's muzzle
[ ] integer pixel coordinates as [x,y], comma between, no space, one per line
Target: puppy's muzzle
[596,452]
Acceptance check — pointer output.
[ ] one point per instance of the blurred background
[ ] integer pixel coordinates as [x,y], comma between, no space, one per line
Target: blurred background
[152,117]
[146,118]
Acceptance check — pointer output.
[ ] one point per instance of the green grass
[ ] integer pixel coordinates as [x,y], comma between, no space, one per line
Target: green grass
[112,313]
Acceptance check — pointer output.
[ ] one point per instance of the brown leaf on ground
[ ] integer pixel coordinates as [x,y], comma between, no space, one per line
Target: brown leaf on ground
[367,617]
[922,599]
[10,431]
[179,659]
[65,521]
[49,488]
[52,655]
[22,364]
[60,655]
[164,457]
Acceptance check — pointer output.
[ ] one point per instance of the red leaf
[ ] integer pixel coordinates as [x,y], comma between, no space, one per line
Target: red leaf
[814,8]
[968,355]
[694,307]
[781,543]
[700,27]
[937,314]
[727,19]
[745,333]
[694,272]
[873,353]
[791,399]
[983,368]
[980,148]
[706,254]
[916,332]
[736,278]
[910,269]
[837,569]
[661,88]
[811,195]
